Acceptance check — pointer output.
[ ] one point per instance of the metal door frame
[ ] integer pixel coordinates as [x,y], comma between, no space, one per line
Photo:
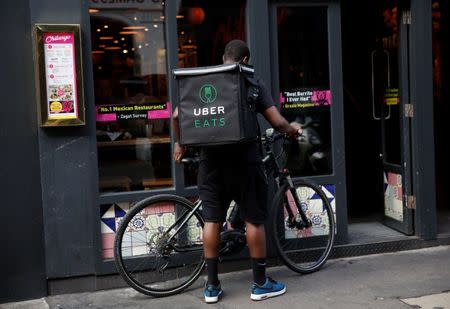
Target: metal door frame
[405,167]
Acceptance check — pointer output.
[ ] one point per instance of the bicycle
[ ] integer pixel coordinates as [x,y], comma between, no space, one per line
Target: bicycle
[158,246]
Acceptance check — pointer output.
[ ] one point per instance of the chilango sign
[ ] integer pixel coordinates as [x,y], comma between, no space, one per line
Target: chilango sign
[213,106]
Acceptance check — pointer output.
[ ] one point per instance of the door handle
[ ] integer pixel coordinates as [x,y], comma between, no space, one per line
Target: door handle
[372,56]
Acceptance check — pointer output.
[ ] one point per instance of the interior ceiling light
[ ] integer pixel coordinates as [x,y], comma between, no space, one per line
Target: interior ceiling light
[134,28]
[128,32]
[112,48]
[92,11]
[106,38]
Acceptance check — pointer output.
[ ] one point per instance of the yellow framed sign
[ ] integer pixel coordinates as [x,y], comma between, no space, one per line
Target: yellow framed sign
[59,75]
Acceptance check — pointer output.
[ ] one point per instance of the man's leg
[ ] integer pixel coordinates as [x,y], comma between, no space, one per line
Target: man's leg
[211,242]
[263,287]
[211,186]
[256,239]
[254,209]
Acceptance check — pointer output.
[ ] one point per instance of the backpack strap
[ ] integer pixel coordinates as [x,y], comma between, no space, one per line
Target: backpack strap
[253,96]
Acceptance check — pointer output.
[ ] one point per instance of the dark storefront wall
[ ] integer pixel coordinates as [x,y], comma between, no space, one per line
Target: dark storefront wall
[68,162]
[22,260]
[423,154]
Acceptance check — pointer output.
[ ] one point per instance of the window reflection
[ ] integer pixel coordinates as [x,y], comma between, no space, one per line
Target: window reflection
[132,108]
[204,28]
[305,95]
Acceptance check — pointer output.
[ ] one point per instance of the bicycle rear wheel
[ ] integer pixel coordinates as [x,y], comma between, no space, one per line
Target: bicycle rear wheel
[158,249]
[304,250]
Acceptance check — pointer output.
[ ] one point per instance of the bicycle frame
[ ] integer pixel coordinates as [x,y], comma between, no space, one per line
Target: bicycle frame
[184,218]
[284,182]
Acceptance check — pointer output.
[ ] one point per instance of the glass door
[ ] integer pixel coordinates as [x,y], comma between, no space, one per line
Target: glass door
[391,107]
[306,63]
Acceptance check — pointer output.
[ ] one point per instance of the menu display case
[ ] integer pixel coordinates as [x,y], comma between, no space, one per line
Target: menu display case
[59,75]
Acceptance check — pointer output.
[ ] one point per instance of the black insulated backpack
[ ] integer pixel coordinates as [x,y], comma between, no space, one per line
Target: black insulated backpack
[217,105]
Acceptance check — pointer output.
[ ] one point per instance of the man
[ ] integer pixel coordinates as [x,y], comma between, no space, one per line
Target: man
[235,172]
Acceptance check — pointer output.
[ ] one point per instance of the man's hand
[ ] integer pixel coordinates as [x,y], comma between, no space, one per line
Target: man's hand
[295,130]
[280,124]
[178,152]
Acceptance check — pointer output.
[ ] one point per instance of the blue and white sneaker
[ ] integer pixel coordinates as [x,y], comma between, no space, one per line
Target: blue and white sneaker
[212,293]
[270,288]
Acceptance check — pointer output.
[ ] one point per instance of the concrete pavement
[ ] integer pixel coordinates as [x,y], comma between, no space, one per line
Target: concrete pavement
[392,280]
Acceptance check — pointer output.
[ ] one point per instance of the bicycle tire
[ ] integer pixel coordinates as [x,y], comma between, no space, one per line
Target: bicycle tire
[304,251]
[149,279]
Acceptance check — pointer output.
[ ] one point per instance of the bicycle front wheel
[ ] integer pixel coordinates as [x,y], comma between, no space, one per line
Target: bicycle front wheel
[303,249]
[158,247]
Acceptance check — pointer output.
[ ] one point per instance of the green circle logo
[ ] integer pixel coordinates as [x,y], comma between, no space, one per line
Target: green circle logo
[208,93]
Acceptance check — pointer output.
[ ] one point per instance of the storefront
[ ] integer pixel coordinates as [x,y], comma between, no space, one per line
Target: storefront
[363,73]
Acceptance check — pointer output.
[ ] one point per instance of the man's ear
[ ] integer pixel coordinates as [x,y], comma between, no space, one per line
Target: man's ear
[223,58]
[245,60]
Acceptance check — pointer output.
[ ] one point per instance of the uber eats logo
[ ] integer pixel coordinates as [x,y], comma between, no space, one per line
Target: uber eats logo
[208,93]
[208,116]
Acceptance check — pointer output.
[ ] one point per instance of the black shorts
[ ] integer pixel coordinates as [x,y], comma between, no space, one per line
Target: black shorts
[246,184]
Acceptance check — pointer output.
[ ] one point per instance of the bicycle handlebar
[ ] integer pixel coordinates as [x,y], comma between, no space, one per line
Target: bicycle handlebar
[271,137]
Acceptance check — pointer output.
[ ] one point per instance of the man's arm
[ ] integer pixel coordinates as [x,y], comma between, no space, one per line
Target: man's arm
[280,124]
[178,150]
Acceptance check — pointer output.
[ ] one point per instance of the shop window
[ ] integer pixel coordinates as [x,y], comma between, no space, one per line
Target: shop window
[204,28]
[305,95]
[131,99]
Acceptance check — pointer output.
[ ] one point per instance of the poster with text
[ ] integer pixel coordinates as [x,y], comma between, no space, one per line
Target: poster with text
[59,51]
[298,99]
[122,112]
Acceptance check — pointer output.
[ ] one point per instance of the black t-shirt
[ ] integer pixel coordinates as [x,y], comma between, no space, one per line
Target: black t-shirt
[244,153]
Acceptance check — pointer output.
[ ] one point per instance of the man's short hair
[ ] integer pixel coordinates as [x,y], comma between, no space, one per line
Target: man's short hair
[236,50]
